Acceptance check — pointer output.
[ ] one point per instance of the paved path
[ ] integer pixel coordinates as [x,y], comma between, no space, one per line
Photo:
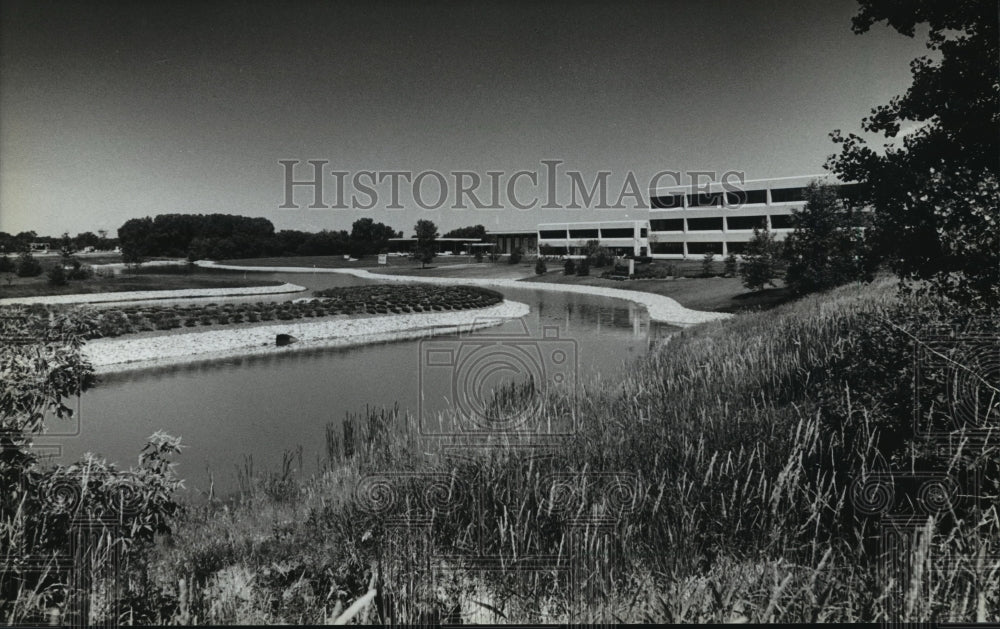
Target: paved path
[660,308]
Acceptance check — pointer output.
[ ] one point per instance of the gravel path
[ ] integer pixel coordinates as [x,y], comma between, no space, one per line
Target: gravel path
[660,308]
[125,354]
[139,295]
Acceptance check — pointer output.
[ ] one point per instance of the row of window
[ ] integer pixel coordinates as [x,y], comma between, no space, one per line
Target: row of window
[592,234]
[715,223]
[696,248]
[744,197]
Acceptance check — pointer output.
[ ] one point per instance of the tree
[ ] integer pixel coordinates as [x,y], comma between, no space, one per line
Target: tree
[67,248]
[57,275]
[368,237]
[6,264]
[597,254]
[935,196]
[426,234]
[27,265]
[472,231]
[540,266]
[759,262]
[134,239]
[515,255]
[569,268]
[827,248]
[732,265]
[707,262]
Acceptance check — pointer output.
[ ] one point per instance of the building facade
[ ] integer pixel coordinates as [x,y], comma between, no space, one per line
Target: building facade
[620,237]
[686,223]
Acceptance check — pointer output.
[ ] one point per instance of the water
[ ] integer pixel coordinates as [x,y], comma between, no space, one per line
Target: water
[263,406]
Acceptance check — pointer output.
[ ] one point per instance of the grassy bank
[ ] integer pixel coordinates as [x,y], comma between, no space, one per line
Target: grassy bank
[718,481]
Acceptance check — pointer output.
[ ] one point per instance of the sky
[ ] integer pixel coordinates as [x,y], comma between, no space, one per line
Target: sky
[116,110]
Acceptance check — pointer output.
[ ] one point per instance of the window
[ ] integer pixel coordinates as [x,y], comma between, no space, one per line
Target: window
[618,232]
[667,247]
[705,199]
[788,195]
[781,221]
[739,248]
[746,222]
[705,247]
[643,232]
[705,224]
[667,224]
[583,233]
[746,197]
[667,201]
[558,234]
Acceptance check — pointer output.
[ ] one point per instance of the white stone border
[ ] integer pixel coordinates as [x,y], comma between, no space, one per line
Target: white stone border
[109,355]
[144,295]
[660,308]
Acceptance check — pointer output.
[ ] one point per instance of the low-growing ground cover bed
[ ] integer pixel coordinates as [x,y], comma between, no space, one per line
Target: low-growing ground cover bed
[350,301]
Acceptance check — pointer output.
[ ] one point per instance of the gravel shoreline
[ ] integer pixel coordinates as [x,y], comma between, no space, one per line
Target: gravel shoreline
[113,355]
[660,308]
[147,295]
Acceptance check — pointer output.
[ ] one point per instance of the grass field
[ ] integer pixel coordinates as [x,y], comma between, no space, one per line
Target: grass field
[146,278]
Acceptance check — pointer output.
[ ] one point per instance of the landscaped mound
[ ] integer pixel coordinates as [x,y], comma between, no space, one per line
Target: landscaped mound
[355,300]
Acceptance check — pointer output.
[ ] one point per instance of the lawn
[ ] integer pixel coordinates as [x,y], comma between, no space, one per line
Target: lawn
[338,262]
[146,279]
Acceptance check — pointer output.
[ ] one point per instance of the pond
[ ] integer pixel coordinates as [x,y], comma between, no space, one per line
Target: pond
[260,407]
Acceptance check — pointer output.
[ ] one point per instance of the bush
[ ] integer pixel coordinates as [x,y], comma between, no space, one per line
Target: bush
[6,264]
[516,255]
[28,266]
[732,265]
[540,266]
[57,276]
[760,261]
[569,268]
[706,264]
[583,268]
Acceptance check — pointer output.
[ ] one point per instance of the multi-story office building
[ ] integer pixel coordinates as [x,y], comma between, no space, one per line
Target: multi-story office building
[720,220]
[621,237]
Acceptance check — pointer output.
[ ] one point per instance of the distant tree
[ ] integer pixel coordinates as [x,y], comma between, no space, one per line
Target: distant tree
[827,248]
[134,239]
[368,237]
[426,234]
[6,264]
[87,239]
[935,197]
[732,265]
[597,254]
[57,275]
[472,231]
[67,248]
[707,262]
[28,266]
[760,261]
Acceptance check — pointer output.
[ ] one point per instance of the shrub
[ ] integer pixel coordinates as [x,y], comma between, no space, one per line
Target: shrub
[57,276]
[6,264]
[732,265]
[583,268]
[706,264]
[540,266]
[569,267]
[516,255]
[760,260]
[80,272]
[28,266]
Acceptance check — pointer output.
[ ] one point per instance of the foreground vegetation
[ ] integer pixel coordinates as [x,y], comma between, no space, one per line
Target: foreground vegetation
[729,477]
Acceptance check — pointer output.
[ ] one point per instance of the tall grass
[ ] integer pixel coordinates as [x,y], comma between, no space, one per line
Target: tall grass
[711,483]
